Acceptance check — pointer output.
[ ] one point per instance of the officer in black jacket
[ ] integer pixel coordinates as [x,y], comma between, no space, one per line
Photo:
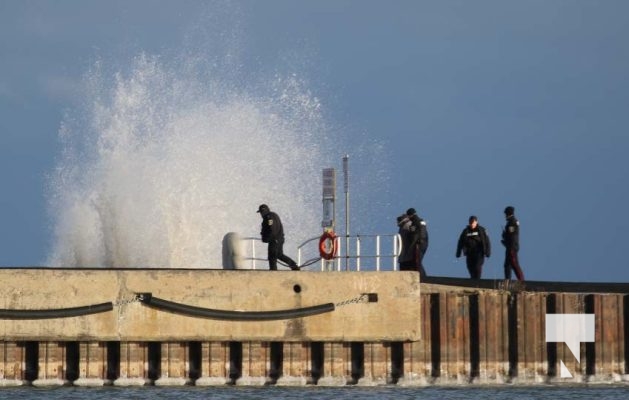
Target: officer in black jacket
[475,245]
[511,242]
[272,233]
[419,239]
[407,258]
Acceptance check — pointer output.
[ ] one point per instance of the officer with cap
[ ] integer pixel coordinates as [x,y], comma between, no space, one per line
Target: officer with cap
[475,245]
[511,242]
[419,239]
[272,233]
[406,259]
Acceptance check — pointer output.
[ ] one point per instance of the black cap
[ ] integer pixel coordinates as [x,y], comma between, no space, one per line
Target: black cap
[509,210]
[410,211]
[263,208]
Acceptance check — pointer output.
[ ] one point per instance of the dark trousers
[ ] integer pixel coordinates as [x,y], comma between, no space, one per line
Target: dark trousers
[416,263]
[474,263]
[408,266]
[276,252]
[419,259]
[511,262]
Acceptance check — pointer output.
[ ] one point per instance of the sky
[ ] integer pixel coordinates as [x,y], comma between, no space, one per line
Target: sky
[455,108]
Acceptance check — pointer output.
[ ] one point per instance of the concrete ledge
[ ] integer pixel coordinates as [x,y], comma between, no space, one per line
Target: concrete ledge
[49,382]
[164,381]
[12,382]
[91,382]
[371,381]
[210,381]
[252,381]
[132,382]
[291,381]
[414,381]
[332,381]
[365,306]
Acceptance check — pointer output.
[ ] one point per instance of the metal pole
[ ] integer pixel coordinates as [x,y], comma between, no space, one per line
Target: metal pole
[346,186]
[378,253]
[329,207]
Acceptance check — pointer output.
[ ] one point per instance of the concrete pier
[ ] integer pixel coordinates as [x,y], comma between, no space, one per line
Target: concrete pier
[91,328]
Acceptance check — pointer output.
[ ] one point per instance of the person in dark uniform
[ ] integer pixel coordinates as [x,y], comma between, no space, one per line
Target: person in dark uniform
[419,239]
[475,245]
[511,242]
[406,259]
[272,232]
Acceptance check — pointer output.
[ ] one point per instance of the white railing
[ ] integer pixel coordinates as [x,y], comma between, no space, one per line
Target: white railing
[351,260]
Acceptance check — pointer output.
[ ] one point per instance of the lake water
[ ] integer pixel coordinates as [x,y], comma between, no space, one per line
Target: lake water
[600,392]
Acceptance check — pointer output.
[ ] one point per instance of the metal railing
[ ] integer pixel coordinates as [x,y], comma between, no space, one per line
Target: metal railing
[354,258]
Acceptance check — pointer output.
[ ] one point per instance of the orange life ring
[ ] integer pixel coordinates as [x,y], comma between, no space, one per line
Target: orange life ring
[326,252]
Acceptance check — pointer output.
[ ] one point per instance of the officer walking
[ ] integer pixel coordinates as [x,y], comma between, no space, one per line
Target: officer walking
[272,233]
[407,256]
[475,245]
[511,242]
[419,239]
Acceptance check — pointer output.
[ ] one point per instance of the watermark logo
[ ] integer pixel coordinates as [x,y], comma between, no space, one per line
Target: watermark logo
[571,329]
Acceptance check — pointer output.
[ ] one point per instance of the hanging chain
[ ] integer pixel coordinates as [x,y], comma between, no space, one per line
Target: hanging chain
[355,300]
[136,298]
[359,299]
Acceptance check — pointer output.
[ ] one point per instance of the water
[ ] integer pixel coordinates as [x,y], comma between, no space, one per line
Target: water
[315,393]
[164,154]
[162,161]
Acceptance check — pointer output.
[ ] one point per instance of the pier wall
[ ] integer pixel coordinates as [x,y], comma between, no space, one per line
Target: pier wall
[243,305]
[453,335]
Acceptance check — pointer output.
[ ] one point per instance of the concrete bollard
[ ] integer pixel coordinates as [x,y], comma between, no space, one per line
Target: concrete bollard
[233,252]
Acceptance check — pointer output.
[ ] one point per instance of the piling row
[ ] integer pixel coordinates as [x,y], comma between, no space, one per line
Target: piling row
[485,337]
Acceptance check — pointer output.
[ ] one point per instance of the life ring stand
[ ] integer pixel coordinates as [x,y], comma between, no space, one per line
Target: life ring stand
[327,253]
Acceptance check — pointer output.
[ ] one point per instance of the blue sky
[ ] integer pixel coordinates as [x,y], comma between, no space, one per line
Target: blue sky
[461,107]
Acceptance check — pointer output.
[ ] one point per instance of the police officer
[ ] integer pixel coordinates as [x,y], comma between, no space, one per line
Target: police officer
[475,245]
[511,242]
[272,233]
[419,239]
[406,259]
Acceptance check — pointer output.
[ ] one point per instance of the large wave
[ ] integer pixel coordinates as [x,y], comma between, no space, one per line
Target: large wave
[161,162]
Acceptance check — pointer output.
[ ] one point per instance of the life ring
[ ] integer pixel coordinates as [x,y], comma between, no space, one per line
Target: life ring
[327,252]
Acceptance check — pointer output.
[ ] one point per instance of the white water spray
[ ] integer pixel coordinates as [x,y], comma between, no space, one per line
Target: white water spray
[162,163]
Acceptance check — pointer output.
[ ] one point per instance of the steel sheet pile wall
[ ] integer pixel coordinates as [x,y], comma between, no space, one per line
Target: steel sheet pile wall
[608,357]
[494,336]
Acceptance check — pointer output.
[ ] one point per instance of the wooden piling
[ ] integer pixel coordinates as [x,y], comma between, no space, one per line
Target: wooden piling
[133,364]
[51,364]
[570,303]
[377,364]
[174,364]
[532,366]
[214,364]
[12,361]
[296,362]
[256,368]
[92,364]
[454,331]
[417,359]
[336,364]
[608,358]
[493,340]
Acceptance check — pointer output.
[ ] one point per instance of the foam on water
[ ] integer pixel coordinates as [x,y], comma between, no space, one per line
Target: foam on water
[161,162]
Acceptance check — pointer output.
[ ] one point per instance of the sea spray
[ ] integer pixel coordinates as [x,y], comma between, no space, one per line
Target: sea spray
[161,162]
